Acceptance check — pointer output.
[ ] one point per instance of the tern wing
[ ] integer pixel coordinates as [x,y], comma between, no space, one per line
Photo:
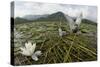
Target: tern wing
[79,20]
[70,21]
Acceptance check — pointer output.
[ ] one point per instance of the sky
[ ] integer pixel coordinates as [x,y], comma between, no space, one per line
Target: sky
[23,8]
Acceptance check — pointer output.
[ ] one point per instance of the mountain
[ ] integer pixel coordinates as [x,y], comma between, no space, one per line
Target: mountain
[19,20]
[34,17]
[87,21]
[58,16]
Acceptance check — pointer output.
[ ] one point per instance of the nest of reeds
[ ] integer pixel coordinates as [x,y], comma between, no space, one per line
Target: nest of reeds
[56,49]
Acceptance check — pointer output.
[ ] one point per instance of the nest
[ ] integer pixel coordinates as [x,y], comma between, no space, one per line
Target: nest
[56,49]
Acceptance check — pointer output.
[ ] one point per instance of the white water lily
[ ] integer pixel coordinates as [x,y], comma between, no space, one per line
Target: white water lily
[29,50]
[61,33]
[17,34]
[17,38]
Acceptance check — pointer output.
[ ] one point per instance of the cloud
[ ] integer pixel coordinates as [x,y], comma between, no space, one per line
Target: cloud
[33,8]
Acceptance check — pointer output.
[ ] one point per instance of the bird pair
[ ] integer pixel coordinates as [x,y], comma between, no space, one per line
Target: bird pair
[74,25]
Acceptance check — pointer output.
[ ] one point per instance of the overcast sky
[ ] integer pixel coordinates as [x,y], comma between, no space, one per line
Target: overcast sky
[33,8]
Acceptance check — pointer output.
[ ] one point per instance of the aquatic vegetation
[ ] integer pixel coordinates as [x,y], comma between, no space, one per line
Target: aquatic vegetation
[29,50]
[55,49]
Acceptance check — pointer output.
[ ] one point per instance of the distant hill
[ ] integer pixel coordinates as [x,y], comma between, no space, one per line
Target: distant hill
[58,16]
[89,22]
[34,17]
[19,20]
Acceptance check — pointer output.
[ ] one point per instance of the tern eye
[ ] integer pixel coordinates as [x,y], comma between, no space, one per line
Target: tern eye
[76,25]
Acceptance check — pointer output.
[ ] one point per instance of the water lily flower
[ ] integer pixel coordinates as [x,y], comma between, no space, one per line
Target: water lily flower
[17,38]
[17,34]
[61,33]
[29,50]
